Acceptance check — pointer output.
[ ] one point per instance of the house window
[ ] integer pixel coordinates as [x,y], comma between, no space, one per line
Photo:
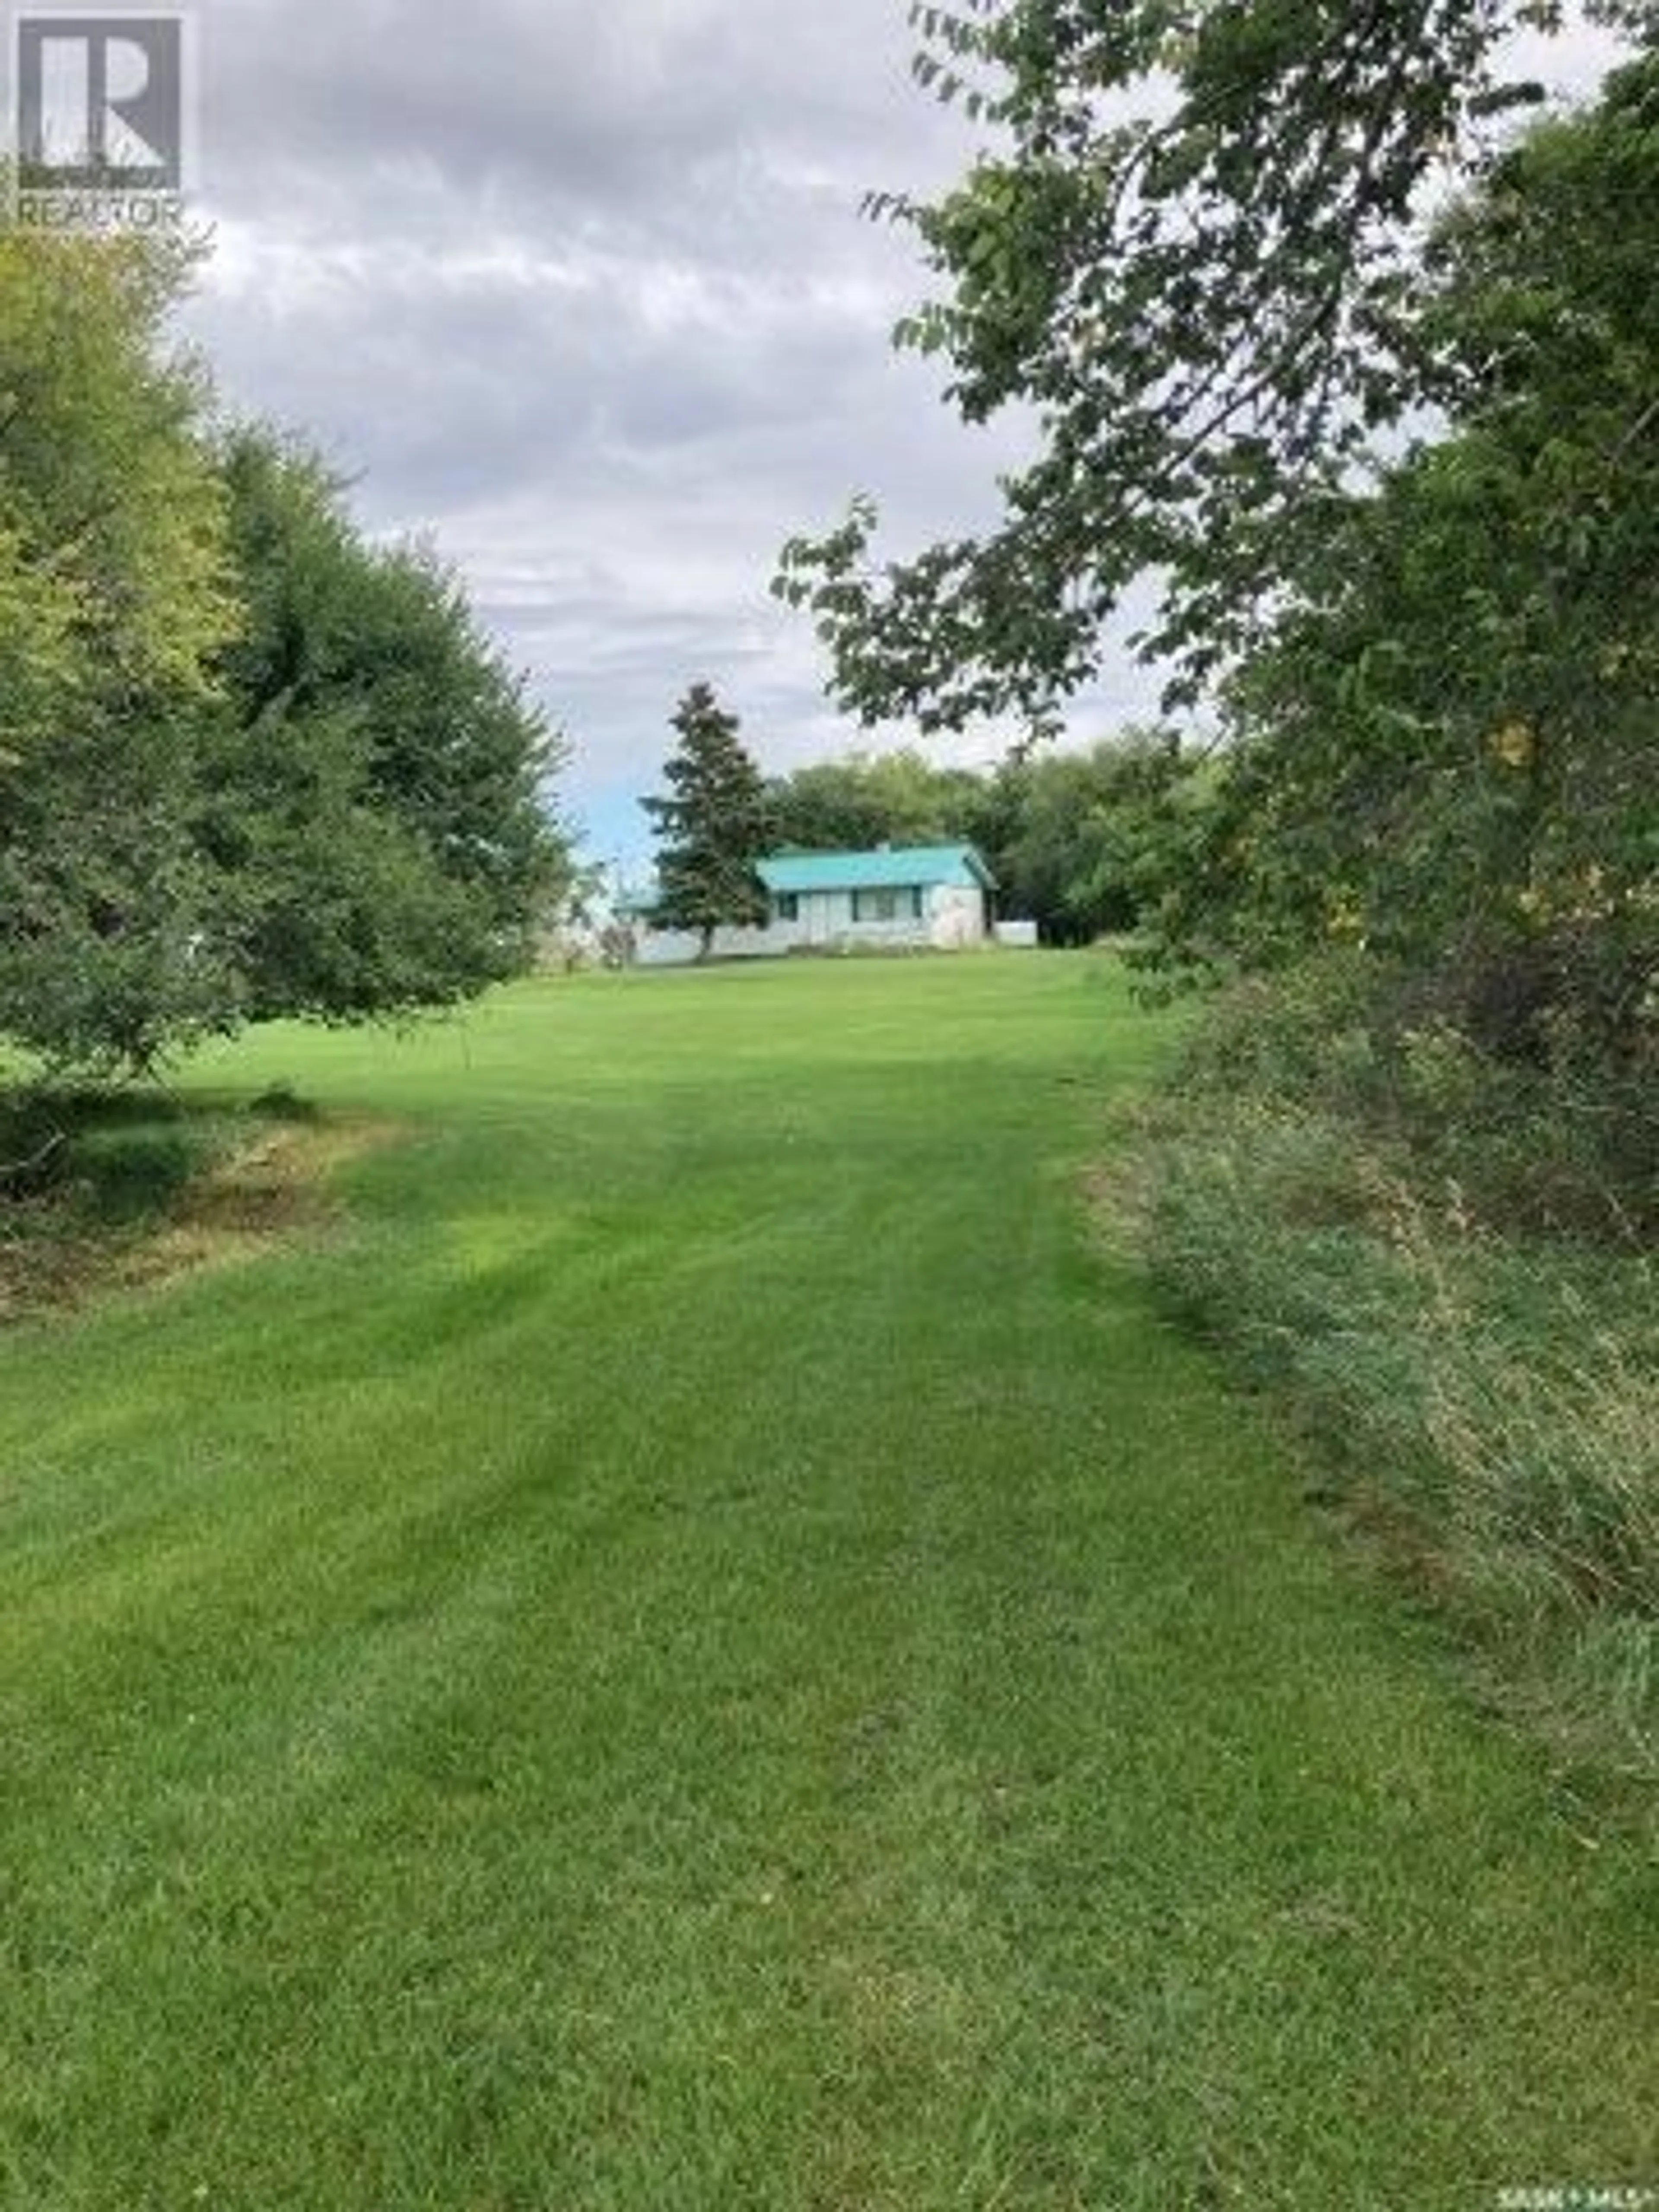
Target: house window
[788,906]
[907,905]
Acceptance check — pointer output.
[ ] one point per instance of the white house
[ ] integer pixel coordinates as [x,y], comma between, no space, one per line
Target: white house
[896,899]
[916,896]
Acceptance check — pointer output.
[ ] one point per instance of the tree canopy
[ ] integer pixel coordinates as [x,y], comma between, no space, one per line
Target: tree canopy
[899,797]
[112,579]
[1445,747]
[1193,250]
[250,764]
[115,595]
[376,800]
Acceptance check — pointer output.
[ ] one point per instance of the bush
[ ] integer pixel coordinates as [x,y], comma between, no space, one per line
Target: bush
[281,1102]
[77,1163]
[1555,1146]
[132,1173]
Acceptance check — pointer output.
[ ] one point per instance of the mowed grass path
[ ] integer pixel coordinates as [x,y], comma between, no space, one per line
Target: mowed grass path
[707,1650]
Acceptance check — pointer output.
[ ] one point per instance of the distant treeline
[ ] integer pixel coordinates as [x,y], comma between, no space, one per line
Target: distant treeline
[1083,844]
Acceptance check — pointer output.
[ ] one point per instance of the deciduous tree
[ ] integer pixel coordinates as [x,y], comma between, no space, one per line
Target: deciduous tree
[250,764]
[870,799]
[1193,252]
[1446,748]
[115,595]
[378,797]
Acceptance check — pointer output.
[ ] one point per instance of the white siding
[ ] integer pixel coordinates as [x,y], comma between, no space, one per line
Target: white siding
[829,918]
[955,919]
[950,920]
[678,948]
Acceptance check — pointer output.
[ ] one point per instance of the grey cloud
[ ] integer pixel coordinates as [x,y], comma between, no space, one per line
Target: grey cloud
[584,292]
[648,111]
[587,294]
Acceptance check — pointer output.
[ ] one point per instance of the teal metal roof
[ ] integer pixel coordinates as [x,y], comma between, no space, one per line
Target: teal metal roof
[898,867]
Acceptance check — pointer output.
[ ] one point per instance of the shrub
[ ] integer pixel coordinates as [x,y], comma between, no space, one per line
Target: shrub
[76,1163]
[1399,1236]
[131,1173]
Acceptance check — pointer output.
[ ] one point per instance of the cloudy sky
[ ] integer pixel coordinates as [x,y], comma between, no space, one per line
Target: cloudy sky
[584,291]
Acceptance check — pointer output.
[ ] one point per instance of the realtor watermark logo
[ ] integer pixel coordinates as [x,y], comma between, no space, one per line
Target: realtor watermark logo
[102,118]
[1579,2197]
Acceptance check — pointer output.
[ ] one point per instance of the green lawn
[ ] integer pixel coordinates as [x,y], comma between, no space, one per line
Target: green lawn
[704,1649]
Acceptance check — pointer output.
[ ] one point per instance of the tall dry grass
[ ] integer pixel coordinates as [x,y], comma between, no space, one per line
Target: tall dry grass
[1472,1343]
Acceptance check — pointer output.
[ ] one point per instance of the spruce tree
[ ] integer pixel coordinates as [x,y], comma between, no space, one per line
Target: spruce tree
[713,827]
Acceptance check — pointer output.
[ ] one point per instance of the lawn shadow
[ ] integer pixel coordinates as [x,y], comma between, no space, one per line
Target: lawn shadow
[102,1191]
